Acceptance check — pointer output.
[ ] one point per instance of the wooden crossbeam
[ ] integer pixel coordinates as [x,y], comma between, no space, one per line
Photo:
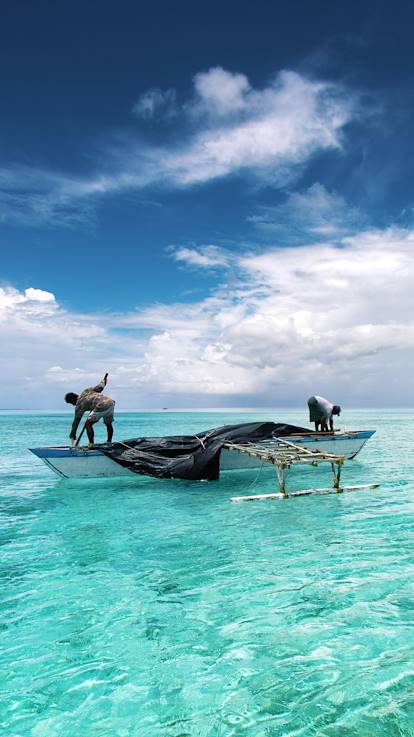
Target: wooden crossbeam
[283,452]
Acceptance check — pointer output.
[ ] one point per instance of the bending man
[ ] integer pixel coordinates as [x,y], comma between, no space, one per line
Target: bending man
[99,407]
[321,412]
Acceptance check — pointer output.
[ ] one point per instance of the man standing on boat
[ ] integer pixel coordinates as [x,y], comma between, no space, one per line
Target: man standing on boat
[321,412]
[99,407]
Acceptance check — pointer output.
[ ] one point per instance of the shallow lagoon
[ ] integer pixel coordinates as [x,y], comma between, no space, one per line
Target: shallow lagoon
[141,608]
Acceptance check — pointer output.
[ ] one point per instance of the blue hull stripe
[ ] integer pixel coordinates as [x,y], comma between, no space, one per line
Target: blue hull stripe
[63,452]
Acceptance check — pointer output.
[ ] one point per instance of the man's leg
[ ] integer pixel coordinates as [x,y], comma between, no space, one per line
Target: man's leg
[109,430]
[89,431]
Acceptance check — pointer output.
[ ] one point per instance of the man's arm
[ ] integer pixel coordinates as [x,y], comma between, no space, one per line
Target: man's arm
[76,420]
[102,384]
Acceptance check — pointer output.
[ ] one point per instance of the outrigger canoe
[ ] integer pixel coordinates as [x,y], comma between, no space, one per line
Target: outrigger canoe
[202,456]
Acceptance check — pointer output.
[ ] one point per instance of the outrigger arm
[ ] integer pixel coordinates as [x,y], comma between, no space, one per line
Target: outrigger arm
[284,454]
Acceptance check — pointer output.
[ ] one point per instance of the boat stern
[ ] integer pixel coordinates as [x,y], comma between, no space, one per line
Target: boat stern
[79,462]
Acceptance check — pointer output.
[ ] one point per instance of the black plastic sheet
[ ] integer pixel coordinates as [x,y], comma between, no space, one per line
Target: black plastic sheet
[194,457]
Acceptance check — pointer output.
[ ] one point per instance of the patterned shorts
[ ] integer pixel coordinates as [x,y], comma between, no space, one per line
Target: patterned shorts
[107,415]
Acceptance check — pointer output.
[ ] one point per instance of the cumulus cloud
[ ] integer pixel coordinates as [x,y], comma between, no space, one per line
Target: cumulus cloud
[227,128]
[33,329]
[27,302]
[330,318]
[38,295]
[219,92]
[323,318]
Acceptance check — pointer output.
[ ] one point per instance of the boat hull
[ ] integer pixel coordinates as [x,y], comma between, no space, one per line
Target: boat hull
[84,463]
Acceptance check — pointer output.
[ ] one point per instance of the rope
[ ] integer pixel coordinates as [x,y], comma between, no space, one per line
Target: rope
[257,476]
[203,445]
[125,445]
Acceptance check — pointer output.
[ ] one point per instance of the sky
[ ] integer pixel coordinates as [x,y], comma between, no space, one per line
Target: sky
[212,202]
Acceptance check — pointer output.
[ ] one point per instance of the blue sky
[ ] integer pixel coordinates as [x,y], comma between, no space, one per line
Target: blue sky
[215,204]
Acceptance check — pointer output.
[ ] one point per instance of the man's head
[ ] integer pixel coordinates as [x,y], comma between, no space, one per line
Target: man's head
[71,398]
[336,410]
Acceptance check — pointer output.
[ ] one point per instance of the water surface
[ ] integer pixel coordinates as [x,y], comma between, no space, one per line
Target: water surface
[147,608]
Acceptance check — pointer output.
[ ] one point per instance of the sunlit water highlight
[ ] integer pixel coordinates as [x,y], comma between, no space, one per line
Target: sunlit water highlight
[146,608]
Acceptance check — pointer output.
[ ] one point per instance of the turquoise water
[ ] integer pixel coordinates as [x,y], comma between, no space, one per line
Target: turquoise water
[146,608]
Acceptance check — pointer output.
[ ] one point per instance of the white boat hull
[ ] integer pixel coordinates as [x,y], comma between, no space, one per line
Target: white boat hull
[83,463]
[80,463]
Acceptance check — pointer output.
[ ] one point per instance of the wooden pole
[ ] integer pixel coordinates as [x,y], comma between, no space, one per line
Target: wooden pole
[83,430]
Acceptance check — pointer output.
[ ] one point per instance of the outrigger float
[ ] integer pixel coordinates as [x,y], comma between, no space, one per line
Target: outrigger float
[206,455]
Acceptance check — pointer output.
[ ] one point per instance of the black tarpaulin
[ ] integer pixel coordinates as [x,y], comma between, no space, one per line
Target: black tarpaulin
[194,457]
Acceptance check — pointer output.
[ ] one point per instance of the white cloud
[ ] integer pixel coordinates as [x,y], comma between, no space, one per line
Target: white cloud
[329,318]
[228,128]
[220,92]
[204,257]
[39,295]
[281,127]
[30,301]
